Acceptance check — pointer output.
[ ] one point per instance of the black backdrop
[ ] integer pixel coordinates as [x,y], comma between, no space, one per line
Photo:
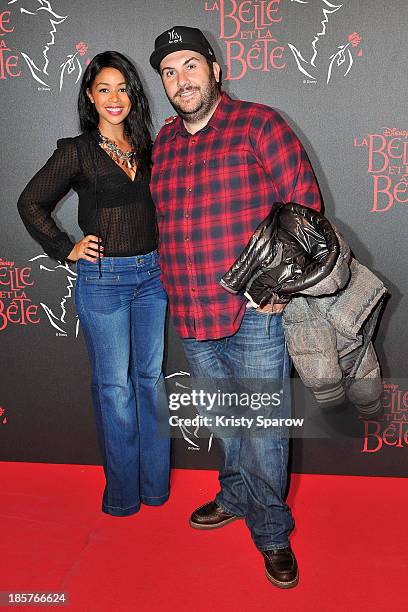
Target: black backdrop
[335,70]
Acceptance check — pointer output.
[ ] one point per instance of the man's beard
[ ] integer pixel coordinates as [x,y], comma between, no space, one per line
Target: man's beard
[208,98]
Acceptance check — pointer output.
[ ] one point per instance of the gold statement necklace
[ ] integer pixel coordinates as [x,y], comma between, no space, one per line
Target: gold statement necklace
[125,159]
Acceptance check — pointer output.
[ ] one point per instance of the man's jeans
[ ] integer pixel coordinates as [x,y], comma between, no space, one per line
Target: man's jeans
[253,478]
[122,314]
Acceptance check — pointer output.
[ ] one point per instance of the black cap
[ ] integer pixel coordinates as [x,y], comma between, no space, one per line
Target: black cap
[177,39]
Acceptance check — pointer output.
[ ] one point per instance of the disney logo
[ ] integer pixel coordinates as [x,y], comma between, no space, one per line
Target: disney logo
[387,131]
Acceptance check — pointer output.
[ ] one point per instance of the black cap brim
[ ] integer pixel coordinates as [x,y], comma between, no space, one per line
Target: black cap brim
[159,54]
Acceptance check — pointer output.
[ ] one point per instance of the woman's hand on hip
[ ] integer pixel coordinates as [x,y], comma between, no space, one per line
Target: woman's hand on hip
[87,248]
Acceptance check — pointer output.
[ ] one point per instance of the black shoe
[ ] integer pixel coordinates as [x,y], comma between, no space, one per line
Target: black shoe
[211,516]
[281,567]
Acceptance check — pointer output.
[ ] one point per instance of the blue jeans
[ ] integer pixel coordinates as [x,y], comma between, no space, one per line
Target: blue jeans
[253,477]
[122,314]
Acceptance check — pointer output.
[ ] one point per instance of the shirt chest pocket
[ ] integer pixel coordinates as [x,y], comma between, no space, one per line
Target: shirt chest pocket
[229,174]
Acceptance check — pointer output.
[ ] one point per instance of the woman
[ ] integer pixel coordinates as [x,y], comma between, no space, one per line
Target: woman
[119,296]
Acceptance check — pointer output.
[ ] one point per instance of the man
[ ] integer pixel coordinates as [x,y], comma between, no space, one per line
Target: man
[217,169]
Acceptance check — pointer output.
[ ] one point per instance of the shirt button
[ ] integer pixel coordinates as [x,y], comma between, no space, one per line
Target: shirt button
[187,216]
[193,289]
[193,140]
[186,238]
[190,163]
[189,189]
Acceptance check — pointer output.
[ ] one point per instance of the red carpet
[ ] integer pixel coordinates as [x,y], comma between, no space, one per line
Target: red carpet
[351,543]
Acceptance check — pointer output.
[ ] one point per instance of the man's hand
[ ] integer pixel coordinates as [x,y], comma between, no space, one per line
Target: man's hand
[272,308]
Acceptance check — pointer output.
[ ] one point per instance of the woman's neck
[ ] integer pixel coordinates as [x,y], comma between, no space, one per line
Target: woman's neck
[113,132]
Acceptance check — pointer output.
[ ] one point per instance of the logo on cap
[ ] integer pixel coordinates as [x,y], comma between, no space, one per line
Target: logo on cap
[174,37]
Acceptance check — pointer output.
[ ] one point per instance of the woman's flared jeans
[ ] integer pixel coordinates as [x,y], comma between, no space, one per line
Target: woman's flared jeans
[122,312]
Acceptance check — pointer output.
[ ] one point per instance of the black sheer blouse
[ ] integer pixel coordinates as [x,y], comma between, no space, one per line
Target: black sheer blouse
[111,205]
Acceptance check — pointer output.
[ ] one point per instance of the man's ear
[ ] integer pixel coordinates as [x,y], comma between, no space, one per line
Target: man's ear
[216,70]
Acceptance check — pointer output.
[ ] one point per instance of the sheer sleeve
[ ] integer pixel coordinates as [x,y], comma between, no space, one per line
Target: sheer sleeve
[43,193]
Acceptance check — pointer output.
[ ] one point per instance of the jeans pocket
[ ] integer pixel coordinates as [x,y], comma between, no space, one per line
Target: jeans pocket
[107,277]
[154,271]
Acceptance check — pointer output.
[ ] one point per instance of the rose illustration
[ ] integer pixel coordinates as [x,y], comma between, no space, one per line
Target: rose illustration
[3,412]
[81,47]
[354,39]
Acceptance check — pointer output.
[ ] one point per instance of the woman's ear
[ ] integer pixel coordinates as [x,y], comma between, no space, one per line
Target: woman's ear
[88,93]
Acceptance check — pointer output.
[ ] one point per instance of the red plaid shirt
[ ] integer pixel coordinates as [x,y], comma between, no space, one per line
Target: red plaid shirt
[211,190]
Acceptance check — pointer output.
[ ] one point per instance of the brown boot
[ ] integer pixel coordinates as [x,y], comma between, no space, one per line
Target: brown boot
[281,567]
[211,516]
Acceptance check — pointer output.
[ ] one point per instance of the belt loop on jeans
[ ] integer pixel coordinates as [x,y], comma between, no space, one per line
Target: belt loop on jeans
[147,257]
